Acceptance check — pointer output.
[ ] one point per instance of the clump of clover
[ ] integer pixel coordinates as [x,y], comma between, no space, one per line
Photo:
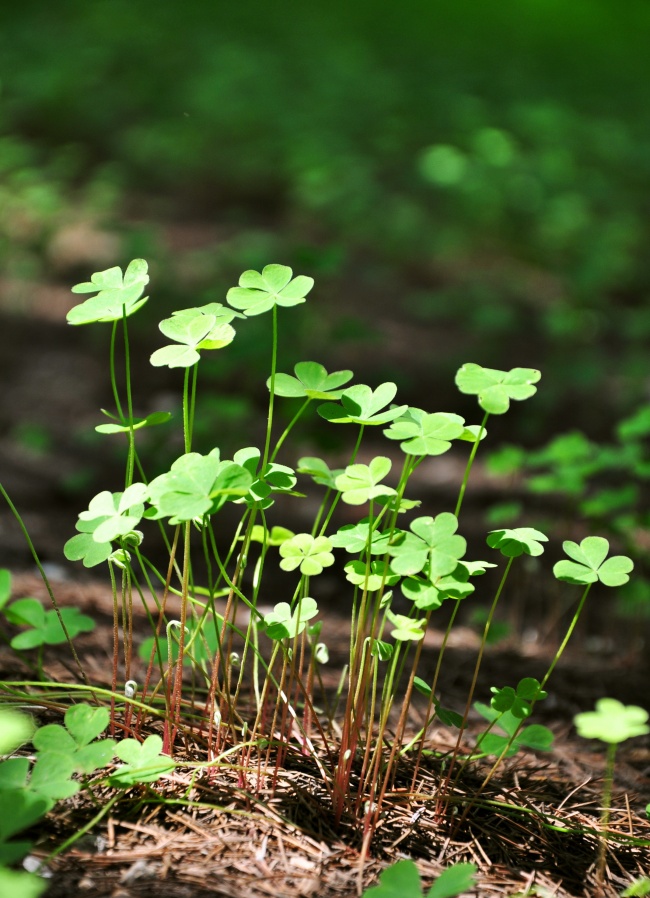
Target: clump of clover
[255,656]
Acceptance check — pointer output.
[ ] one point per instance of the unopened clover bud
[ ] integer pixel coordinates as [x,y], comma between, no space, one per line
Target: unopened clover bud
[321,653]
[235,660]
[130,688]
[120,558]
[133,538]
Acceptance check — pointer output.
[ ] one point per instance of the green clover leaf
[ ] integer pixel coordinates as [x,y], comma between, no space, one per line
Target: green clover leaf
[46,627]
[144,762]
[433,541]
[283,623]
[274,479]
[82,725]
[258,293]
[427,596]
[362,405]
[372,578]
[536,737]
[83,547]
[204,327]
[311,381]
[402,880]
[362,483]
[518,701]
[406,629]
[424,434]
[196,485]
[319,471]
[520,541]
[354,538]
[136,423]
[15,730]
[273,537]
[612,721]
[115,514]
[308,553]
[117,294]
[589,564]
[496,388]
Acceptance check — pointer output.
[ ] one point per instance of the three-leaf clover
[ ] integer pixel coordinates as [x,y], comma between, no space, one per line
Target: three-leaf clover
[516,542]
[433,542]
[204,327]
[115,514]
[196,485]
[402,880]
[405,628]
[308,553]
[257,293]
[283,623]
[354,538]
[588,563]
[117,294]
[361,483]
[537,737]
[144,762]
[274,478]
[518,701]
[424,434]
[496,388]
[372,578]
[319,471]
[311,381]
[362,405]
[82,725]
[612,721]
[45,625]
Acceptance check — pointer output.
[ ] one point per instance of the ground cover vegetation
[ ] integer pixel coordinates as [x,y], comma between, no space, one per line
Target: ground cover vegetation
[228,695]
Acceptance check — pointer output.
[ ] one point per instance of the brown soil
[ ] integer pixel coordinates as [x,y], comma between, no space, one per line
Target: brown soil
[231,842]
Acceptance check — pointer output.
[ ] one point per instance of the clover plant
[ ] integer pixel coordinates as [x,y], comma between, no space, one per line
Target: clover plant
[255,657]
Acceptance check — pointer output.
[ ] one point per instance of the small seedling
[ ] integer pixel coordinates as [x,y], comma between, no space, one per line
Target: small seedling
[402,880]
[612,723]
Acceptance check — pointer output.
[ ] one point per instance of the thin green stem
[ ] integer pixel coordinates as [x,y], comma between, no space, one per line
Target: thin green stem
[470,462]
[289,428]
[274,360]
[129,401]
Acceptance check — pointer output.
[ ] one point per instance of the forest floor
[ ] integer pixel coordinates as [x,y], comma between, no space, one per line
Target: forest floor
[284,843]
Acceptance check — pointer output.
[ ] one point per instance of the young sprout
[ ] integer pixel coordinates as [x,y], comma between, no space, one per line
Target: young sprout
[612,723]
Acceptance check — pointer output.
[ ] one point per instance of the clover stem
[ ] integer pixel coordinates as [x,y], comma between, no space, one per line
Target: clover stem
[178,681]
[470,462]
[116,395]
[274,360]
[604,817]
[543,683]
[569,631]
[338,496]
[116,643]
[192,409]
[470,695]
[289,428]
[130,463]
[44,578]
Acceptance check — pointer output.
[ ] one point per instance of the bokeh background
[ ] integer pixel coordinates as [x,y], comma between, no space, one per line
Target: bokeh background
[465,181]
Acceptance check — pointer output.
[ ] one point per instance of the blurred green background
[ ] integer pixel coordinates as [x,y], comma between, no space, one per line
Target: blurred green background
[467,181]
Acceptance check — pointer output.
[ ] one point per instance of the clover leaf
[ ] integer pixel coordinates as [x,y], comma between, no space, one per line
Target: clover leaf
[120,513]
[612,721]
[536,737]
[258,293]
[520,541]
[518,701]
[144,762]
[424,434]
[405,628]
[116,294]
[273,479]
[319,471]
[83,547]
[362,405]
[354,538]
[433,541]
[20,884]
[589,564]
[311,381]
[283,623]
[427,595]
[82,725]
[46,626]
[273,537]
[196,485]
[402,880]
[204,327]
[496,388]
[308,553]
[135,424]
[15,729]
[361,483]
[372,578]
